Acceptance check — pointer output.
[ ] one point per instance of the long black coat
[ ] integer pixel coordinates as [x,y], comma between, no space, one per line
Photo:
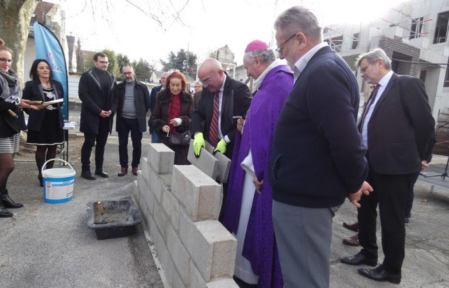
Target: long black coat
[236,101]
[141,100]
[93,101]
[33,91]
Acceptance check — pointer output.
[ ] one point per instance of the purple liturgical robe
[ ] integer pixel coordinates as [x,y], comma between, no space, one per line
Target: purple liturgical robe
[259,247]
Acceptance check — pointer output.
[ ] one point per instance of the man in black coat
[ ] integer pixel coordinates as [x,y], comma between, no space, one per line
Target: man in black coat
[396,127]
[228,98]
[96,91]
[153,94]
[133,104]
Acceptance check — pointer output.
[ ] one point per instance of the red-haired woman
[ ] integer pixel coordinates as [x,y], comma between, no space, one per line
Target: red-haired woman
[173,113]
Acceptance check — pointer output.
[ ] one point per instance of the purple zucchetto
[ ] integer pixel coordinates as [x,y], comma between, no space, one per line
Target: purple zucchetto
[256,45]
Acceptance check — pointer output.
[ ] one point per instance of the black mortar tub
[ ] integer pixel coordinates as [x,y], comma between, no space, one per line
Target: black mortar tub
[119,219]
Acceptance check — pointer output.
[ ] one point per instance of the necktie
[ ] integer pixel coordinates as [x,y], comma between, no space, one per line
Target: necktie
[371,100]
[213,130]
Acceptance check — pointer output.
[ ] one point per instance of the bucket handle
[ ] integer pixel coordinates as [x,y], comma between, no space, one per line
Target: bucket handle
[55,159]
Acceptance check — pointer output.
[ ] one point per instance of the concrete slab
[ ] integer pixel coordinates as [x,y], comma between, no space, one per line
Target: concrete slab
[198,194]
[206,162]
[222,283]
[161,158]
[213,250]
[224,164]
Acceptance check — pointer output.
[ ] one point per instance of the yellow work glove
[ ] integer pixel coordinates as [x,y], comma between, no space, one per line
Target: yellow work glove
[221,147]
[198,142]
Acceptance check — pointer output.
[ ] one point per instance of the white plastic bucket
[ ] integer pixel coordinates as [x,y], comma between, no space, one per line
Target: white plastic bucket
[58,183]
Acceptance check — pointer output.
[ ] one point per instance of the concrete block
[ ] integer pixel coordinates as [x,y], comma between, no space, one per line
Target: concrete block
[178,252]
[161,158]
[224,164]
[145,193]
[171,207]
[145,168]
[155,186]
[223,283]
[185,232]
[206,162]
[213,250]
[198,194]
[177,280]
[136,192]
[196,280]
[161,220]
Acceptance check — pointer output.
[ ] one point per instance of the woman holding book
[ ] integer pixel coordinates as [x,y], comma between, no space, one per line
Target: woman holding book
[11,123]
[45,126]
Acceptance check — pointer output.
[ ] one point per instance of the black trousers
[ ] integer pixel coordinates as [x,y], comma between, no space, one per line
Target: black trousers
[390,192]
[410,197]
[99,141]
[126,126]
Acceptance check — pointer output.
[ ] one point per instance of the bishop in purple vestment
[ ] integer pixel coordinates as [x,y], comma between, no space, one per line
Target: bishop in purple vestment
[274,80]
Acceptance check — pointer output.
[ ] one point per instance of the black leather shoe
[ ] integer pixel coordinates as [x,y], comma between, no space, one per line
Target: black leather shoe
[135,170]
[359,259]
[7,202]
[87,175]
[380,274]
[4,213]
[101,173]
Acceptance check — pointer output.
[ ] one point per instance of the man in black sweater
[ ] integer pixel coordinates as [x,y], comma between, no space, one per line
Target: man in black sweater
[318,158]
[96,91]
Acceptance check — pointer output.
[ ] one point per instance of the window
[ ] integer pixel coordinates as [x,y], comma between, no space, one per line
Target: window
[355,40]
[441,28]
[336,43]
[416,29]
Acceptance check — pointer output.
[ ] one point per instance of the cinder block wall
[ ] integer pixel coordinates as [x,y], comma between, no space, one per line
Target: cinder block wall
[180,206]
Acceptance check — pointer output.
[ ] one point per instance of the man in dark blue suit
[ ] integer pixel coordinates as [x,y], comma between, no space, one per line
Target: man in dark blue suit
[153,95]
[318,158]
[396,127]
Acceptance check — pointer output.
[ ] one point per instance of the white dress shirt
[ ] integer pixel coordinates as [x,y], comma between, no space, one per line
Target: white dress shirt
[220,95]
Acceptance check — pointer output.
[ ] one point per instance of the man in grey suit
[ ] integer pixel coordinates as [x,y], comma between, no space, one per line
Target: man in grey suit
[396,127]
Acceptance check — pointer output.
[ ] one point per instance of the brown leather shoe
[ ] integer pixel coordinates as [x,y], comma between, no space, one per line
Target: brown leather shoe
[352,241]
[123,172]
[353,227]
[135,169]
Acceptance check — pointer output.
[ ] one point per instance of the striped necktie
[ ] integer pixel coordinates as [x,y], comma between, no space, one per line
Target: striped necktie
[213,130]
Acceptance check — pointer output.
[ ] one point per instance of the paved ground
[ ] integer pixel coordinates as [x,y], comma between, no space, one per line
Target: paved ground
[48,245]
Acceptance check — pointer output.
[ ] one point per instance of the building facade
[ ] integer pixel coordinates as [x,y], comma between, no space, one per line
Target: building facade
[414,35]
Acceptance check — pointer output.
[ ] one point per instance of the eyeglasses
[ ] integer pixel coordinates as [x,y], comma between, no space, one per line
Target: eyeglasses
[206,82]
[281,48]
[175,85]
[4,60]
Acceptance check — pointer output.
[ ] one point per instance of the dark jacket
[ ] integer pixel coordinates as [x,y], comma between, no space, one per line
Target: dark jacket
[236,101]
[141,100]
[159,118]
[8,124]
[33,91]
[400,127]
[153,94]
[318,155]
[93,101]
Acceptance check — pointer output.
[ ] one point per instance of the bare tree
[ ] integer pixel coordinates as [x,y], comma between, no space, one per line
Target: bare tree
[15,18]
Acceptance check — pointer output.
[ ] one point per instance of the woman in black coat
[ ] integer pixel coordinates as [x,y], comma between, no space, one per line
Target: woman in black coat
[45,126]
[11,122]
[173,114]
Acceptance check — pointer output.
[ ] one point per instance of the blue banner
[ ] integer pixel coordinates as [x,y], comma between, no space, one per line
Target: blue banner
[49,48]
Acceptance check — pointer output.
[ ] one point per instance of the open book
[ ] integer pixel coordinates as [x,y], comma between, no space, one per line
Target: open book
[45,104]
